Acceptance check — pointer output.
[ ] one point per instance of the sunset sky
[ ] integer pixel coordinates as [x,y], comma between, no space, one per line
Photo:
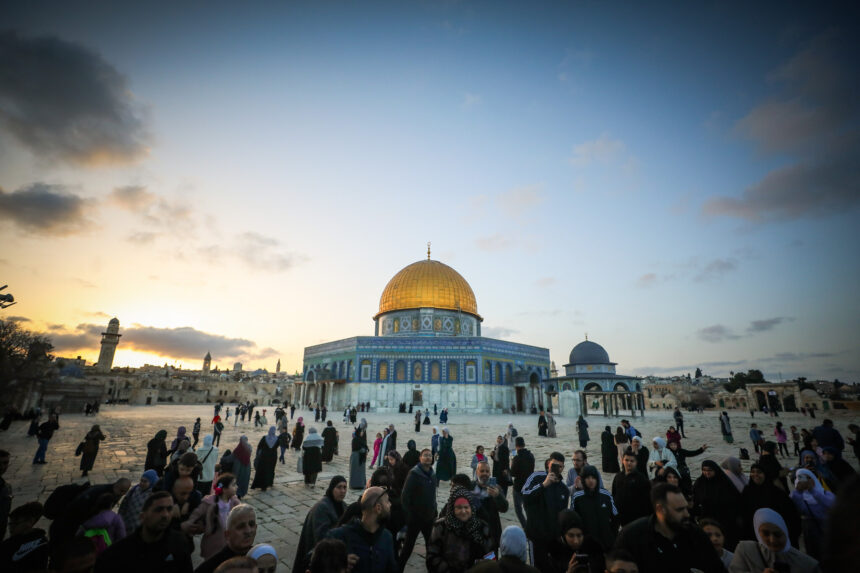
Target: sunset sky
[680,183]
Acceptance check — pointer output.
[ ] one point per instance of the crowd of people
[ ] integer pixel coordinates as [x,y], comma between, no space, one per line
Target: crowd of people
[653,516]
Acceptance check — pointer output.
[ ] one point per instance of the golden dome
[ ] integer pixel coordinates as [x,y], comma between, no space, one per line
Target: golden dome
[428,284]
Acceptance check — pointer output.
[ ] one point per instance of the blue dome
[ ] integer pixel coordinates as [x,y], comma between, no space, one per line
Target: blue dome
[588,352]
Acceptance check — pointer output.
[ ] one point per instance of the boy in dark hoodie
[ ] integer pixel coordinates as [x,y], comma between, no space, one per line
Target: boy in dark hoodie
[27,547]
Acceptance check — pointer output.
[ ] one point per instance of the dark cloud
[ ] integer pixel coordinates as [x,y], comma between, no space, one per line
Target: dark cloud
[17,319]
[44,209]
[182,342]
[716,269]
[797,356]
[497,331]
[716,333]
[64,101]
[812,122]
[766,324]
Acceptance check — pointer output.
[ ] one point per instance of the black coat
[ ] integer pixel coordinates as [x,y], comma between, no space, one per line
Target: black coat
[632,494]
[312,460]
[609,453]
[522,466]
[598,513]
[419,496]
[502,464]
[653,552]
[756,497]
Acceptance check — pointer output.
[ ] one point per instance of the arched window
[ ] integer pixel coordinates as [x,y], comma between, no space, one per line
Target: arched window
[417,371]
[497,377]
[566,386]
[435,371]
[400,371]
[471,371]
[453,371]
[382,370]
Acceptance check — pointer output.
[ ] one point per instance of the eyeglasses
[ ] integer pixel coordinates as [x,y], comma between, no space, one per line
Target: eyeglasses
[368,504]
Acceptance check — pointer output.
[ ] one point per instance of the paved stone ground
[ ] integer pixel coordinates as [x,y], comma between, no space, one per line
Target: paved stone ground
[282,509]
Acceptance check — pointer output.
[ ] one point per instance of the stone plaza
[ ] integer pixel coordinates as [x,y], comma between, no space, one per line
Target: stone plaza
[282,509]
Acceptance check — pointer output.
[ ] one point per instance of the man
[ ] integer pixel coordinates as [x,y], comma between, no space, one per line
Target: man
[502,464]
[827,436]
[27,546]
[668,541]
[44,435]
[239,564]
[574,480]
[679,421]
[5,493]
[756,437]
[370,546]
[596,508]
[240,533]
[391,442]
[419,502]
[629,430]
[631,490]
[544,496]
[152,547]
[80,508]
[489,501]
[522,466]
[186,499]
[620,561]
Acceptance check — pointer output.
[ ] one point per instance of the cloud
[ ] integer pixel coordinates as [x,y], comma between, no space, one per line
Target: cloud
[256,251]
[497,331]
[715,269]
[181,342]
[716,333]
[17,319]
[45,209]
[603,150]
[647,280]
[142,238]
[812,123]
[766,324]
[797,356]
[493,243]
[132,197]
[471,100]
[63,101]
[545,282]
[519,199]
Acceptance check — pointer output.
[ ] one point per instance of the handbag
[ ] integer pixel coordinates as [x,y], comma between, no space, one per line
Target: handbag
[80,449]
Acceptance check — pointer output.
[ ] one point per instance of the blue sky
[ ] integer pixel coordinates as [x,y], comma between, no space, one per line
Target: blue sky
[679,182]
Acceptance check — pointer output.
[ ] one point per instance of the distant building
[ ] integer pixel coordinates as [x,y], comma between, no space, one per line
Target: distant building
[207,363]
[110,339]
[278,367]
[237,367]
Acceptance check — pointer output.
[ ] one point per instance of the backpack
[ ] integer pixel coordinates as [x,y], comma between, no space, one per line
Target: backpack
[60,499]
[514,433]
[745,454]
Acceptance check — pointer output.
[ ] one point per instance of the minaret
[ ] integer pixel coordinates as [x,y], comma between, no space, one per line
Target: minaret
[278,367]
[207,363]
[109,341]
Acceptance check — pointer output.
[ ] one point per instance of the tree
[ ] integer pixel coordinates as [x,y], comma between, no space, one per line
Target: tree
[24,359]
[741,379]
[698,372]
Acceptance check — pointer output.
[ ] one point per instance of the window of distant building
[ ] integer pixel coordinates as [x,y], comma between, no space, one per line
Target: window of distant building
[400,371]
[471,371]
[383,370]
[365,369]
[435,371]
[453,371]
[417,372]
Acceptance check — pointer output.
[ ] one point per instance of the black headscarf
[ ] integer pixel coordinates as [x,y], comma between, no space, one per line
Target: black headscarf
[339,507]
[718,498]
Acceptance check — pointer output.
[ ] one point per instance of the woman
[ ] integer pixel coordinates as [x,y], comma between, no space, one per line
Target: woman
[312,457]
[213,511]
[426,417]
[781,439]
[582,431]
[412,455]
[621,443]
[225,465]
[298,434]
[771,466]
[443,416]
[714,496]
[573,541]
[733,470]
[642,455]
[446,467]
[90,449]
[329,436]
[660,457]
[266,460]
[264,555]
[208,456]
[418,420]
[321,518]
[242,466]
[477,458]
[459,539]
[759,493]
[681,456]
[609,452]
[550,425]
[357,459]
[673,435]
[156,453]
[434,442]
[813,504]
[542,424]
[180,436]
[377,444]
[501,463]
[511,436]
[103,524]
[132,503]
[772,551]
[399,471]
[670,476]
[726,428]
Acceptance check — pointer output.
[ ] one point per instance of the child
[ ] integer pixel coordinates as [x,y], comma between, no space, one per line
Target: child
[715,533]
[795,437]
[27,547]
[377,443]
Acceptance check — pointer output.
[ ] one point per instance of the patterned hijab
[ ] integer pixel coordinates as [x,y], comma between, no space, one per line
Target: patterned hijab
[472,528]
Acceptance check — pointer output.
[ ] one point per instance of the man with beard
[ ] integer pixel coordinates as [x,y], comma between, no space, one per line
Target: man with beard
[488,501]
[573,481]
[668,541]
[152,547]
[419,501]
[240,533]
[370,546]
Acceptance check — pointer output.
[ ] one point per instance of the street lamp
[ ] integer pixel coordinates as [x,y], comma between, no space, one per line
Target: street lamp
[6,300]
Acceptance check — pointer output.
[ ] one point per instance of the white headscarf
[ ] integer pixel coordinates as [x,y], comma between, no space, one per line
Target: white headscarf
[807,495]
[661,442]
[767,515]
[261,549]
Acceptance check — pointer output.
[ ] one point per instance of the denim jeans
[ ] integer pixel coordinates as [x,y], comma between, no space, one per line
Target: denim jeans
[40,453]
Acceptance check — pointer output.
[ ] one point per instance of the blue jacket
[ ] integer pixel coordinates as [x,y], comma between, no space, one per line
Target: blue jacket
[375,550]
